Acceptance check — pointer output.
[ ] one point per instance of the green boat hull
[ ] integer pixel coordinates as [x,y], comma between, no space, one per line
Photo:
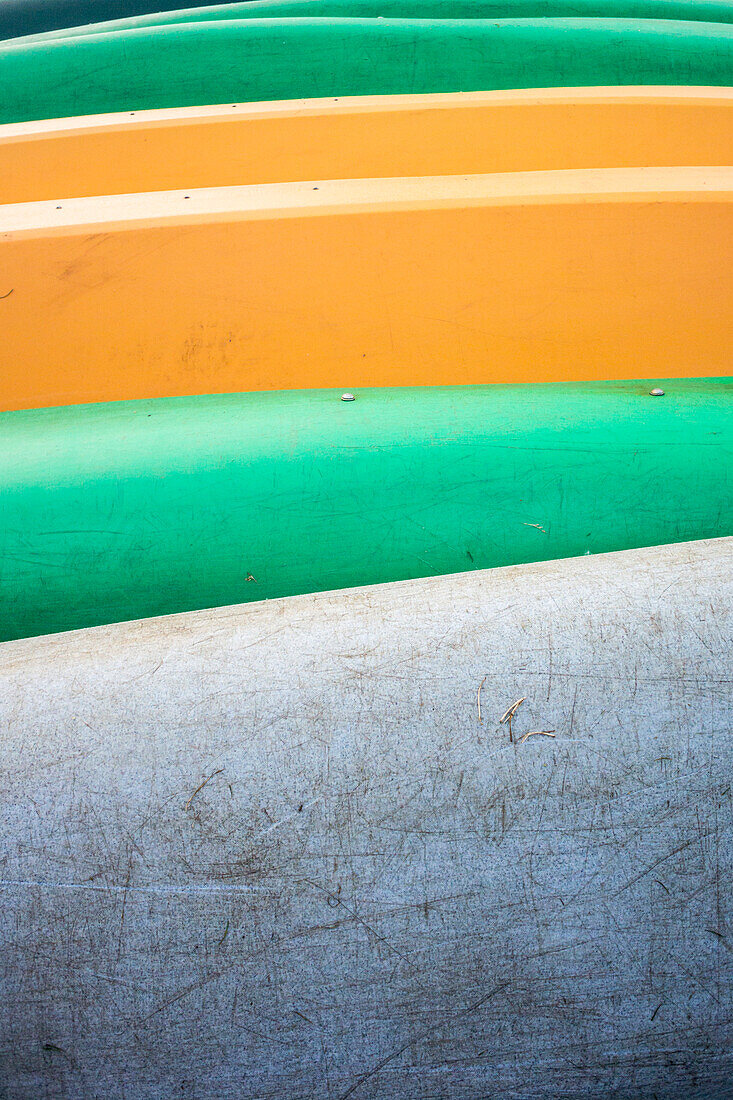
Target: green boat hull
[22,17]
[249,60]
[707,11]
[125,510]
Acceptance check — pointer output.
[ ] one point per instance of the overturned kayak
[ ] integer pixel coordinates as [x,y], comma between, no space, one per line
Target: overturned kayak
[120,511]
[25,17]
[259,59]
[706,11]
[449,280]
[291,844]
[379,136]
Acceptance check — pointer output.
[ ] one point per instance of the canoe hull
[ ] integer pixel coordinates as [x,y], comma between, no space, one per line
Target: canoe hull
[240,61]
[524,277]
[88,13]
[276,845]
[125,510]
[378,136]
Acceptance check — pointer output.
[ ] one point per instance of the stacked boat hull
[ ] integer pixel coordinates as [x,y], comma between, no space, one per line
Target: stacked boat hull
[125,510]
[532,277]
[223,61]
[337,872]
[365,138]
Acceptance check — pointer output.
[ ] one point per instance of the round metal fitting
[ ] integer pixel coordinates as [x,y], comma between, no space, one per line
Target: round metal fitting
[347,397]
[656,393]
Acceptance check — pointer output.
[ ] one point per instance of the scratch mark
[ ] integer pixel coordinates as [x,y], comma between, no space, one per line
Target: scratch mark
[261,1035]
[721,937]
[119,981]
[697,981]
[183,993]
[303,1017]
[662,859]
[116,888]
[572,712]
[201,787]
[331,898]
[418,1039]
[122,916]
[283,821]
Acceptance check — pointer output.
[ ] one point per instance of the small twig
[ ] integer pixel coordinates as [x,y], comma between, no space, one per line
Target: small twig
[8,294]
[536,733]
[201,786]
[478,697]
[509,714]
[511,711]
[537,525]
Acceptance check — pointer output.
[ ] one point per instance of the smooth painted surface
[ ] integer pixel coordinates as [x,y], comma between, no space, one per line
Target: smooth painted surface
[273,852]
[114,512]
[238,61]
[474,132]
[450,280]
[707,11]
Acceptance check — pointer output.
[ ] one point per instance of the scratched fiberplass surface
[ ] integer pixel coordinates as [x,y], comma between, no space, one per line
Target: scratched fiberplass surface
[706,11]
[248,60]
[130,509]
[271,852]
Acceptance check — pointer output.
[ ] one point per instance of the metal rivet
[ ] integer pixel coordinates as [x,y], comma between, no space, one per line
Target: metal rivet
[347,397]
[656,393]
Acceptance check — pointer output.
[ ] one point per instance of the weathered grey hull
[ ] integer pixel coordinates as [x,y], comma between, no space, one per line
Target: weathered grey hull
[272,852]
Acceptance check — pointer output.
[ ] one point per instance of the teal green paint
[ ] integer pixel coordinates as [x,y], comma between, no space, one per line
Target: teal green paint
[246,60]
[709,11]
[119,511]
[44,17]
